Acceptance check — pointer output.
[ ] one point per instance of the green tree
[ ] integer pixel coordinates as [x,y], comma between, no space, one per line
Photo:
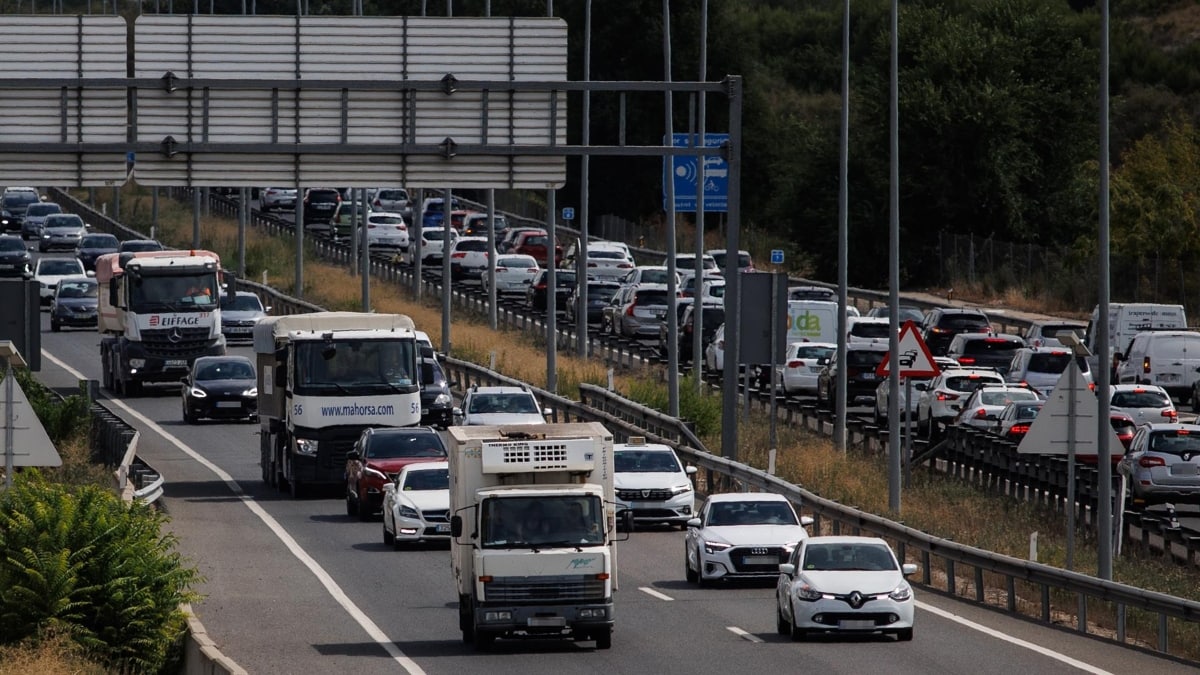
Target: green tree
[1155,198]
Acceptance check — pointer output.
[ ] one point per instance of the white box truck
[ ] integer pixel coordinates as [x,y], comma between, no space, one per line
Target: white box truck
[533,519]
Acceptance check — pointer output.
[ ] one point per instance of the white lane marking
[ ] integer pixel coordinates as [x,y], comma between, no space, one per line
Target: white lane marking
[653,593]
[1044,651]
[326,580]
[743,634]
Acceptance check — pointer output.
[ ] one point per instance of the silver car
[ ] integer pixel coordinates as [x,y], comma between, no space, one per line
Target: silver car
[637,311]
[240,314]
[273,198]
[61,230]
[1163,464]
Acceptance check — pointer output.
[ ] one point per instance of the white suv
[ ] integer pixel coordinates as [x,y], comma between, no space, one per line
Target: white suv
[652,483]
[942,397]
[500,405]
[469,258]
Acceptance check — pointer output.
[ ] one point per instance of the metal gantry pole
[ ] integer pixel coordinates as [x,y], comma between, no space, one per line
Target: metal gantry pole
[365,253]
[1104,452]
[243,216]
[298,226]
[354,233]
[581,284]
[669,184]
[894,458]
[551,295]
[729,376]
[415,245]
[698,312]
[493,319]
[839,400]
[195,217]
[447,200]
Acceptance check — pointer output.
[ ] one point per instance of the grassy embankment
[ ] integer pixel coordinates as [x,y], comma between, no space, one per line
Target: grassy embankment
[932,504]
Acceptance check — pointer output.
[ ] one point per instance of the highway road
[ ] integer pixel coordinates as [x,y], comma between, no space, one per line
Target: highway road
[295,586]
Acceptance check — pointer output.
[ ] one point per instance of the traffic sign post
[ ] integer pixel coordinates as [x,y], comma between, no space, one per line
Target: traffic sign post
[776,256]
[915,359]
[686,169]
[568,213]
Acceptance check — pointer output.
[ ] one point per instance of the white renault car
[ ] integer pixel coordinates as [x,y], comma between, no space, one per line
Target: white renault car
[744,535]
[844,585]
[416,505]
[652,483]
[500,405]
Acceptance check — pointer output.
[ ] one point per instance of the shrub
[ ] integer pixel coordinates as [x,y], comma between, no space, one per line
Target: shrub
[86,565]
[62,418]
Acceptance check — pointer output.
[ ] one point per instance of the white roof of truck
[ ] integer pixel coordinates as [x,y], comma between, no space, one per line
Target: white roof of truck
[273,328]
[562,430]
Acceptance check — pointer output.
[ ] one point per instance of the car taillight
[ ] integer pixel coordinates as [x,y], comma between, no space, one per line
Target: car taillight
[1149,461]
[625,266]
[377,203]
[370,227]
[935,329]
[1146,364]
[720,344]
[795,363]
[1170,413]
[591,264]
[458,255]
[981,413]
[946,396]
[1018,429]
[533,270]
[852,372]
[501,268]
[966,360]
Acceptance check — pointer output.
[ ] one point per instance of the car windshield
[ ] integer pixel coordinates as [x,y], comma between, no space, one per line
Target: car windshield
[606,255]
[869,330]
[645,461]
[1002,398]
[602,292]
[43,209]
[435,235]
[651,298]
[225,370]
[751,513]
[352,366]
[1027,411]
[812,352]
[991,347]
[713,316]
[471,245]
[1142,398]
[59,267]
[968,382]
[397,444]
[425,480]
[78,289]
[385,220]
[1178,442]
[137,246]
[12,244]
[964,323]
[848,557]
[653,277]
[241,303]
[63,220]
[20,199]
[522,261]
[99,241]
[484,404]
[859,358]
[392,195]
[1054,362]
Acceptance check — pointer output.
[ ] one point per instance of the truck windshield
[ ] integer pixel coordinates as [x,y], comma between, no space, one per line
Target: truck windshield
[542,521]
[356,366]
[180,293]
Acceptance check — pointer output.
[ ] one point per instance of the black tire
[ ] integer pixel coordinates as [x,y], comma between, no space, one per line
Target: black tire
[603,638]
[298,490]
[389,539]
[1196,399]
[133,388]
[188,417]
[781,623]
[483,640]
[797,634]
[690,574]
[54,327]
[904,635]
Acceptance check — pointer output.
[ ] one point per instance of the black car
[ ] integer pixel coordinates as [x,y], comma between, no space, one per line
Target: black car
[710,320]
[75,304]
[861,380]
[943,323]
[564,286]
[15,260]
[139,245]
[599,293]
[320,205]
[220,387]
[93,246]
[437,406]
[15,204]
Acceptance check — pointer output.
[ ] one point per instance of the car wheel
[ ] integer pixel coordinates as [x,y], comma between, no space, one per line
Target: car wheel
[389,539]
[904,635]
[188,417]
[298,489]
[483,640]
[798,634]
[781,623]
[1196,399]
[690,574]
[880,420]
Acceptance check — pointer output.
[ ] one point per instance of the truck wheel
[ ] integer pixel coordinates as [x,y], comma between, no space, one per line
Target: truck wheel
[54,327]
[297,489]
[483,640]
[604,639]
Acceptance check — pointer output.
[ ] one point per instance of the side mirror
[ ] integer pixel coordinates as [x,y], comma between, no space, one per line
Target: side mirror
[456,528]
[546,412]
[690,470]
[91,273]
[184,380]
[787,568]
[694,522]
[267,309]
[806,520]
[389,487]
[908,569]
[457,412]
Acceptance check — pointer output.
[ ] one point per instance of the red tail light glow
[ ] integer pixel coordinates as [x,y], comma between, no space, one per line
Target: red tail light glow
[1018,430]
[1150,460]
[946,396]
[981,413]
[966,360]
[795,363]
[1171,413]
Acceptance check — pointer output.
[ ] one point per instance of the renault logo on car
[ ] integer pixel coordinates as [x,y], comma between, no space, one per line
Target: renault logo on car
[855,599]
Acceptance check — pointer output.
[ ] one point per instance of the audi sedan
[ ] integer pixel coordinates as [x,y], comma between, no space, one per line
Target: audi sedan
[416,505]
[744,535]
[220,387]
[844,585]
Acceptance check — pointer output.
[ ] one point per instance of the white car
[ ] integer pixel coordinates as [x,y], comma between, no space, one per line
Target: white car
[714,352]
[432,243]
[273,198]
[1145,403]
[49,271]
[743,535]
[687,261]
[647,274]
[514,273]
[386,230]
[906,406]
[395,200]
[652,483]
[500,405]
[469,258]
[845,585]
[604,262]
[867,330]
[983,407]
[942,397]
[798,372]
[416,506]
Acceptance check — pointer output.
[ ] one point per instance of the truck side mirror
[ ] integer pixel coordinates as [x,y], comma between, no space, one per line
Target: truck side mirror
[353,455]
[456,526]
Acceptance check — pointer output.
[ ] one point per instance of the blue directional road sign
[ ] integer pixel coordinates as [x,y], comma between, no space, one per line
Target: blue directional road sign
[686,173]
[568,213]
[776,256]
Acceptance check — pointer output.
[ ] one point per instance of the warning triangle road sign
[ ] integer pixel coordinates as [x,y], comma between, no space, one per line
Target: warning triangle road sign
[31,444]
[915,359]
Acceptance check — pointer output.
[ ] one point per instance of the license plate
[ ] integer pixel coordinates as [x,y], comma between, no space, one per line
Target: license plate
[1183,469]
[229,404]
[760,560]
[443,527]
[856,624]
[176,363]
[239,329]
[546,622]
[7,267]
[868,376]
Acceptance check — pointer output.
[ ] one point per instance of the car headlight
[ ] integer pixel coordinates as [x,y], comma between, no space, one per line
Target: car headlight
[680,489]
[902,593]
[807,593]
[409,512]
[306,446]
[251,392]
[442,399]
[137,363]
[45,236]
[196,392]
[715,546]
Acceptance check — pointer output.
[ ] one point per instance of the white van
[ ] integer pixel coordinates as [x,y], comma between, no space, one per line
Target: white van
[1125,320]
[1167,359]
[812,321]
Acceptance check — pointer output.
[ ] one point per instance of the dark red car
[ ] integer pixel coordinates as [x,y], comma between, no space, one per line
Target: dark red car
[536,243]
[378,456]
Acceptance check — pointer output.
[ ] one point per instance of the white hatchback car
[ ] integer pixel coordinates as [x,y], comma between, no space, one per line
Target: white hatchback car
[432,243]
[652,483]
[514,273]
[1145,403]
[714,352]
[387,231]
[469,258]
[799,370]
[416,506]
[49,271]
[844,584]
[608,260]
[983,407]
[744,535]
[942,397]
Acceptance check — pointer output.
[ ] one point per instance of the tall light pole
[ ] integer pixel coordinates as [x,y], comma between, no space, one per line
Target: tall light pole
[1104,452]
[669,185]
